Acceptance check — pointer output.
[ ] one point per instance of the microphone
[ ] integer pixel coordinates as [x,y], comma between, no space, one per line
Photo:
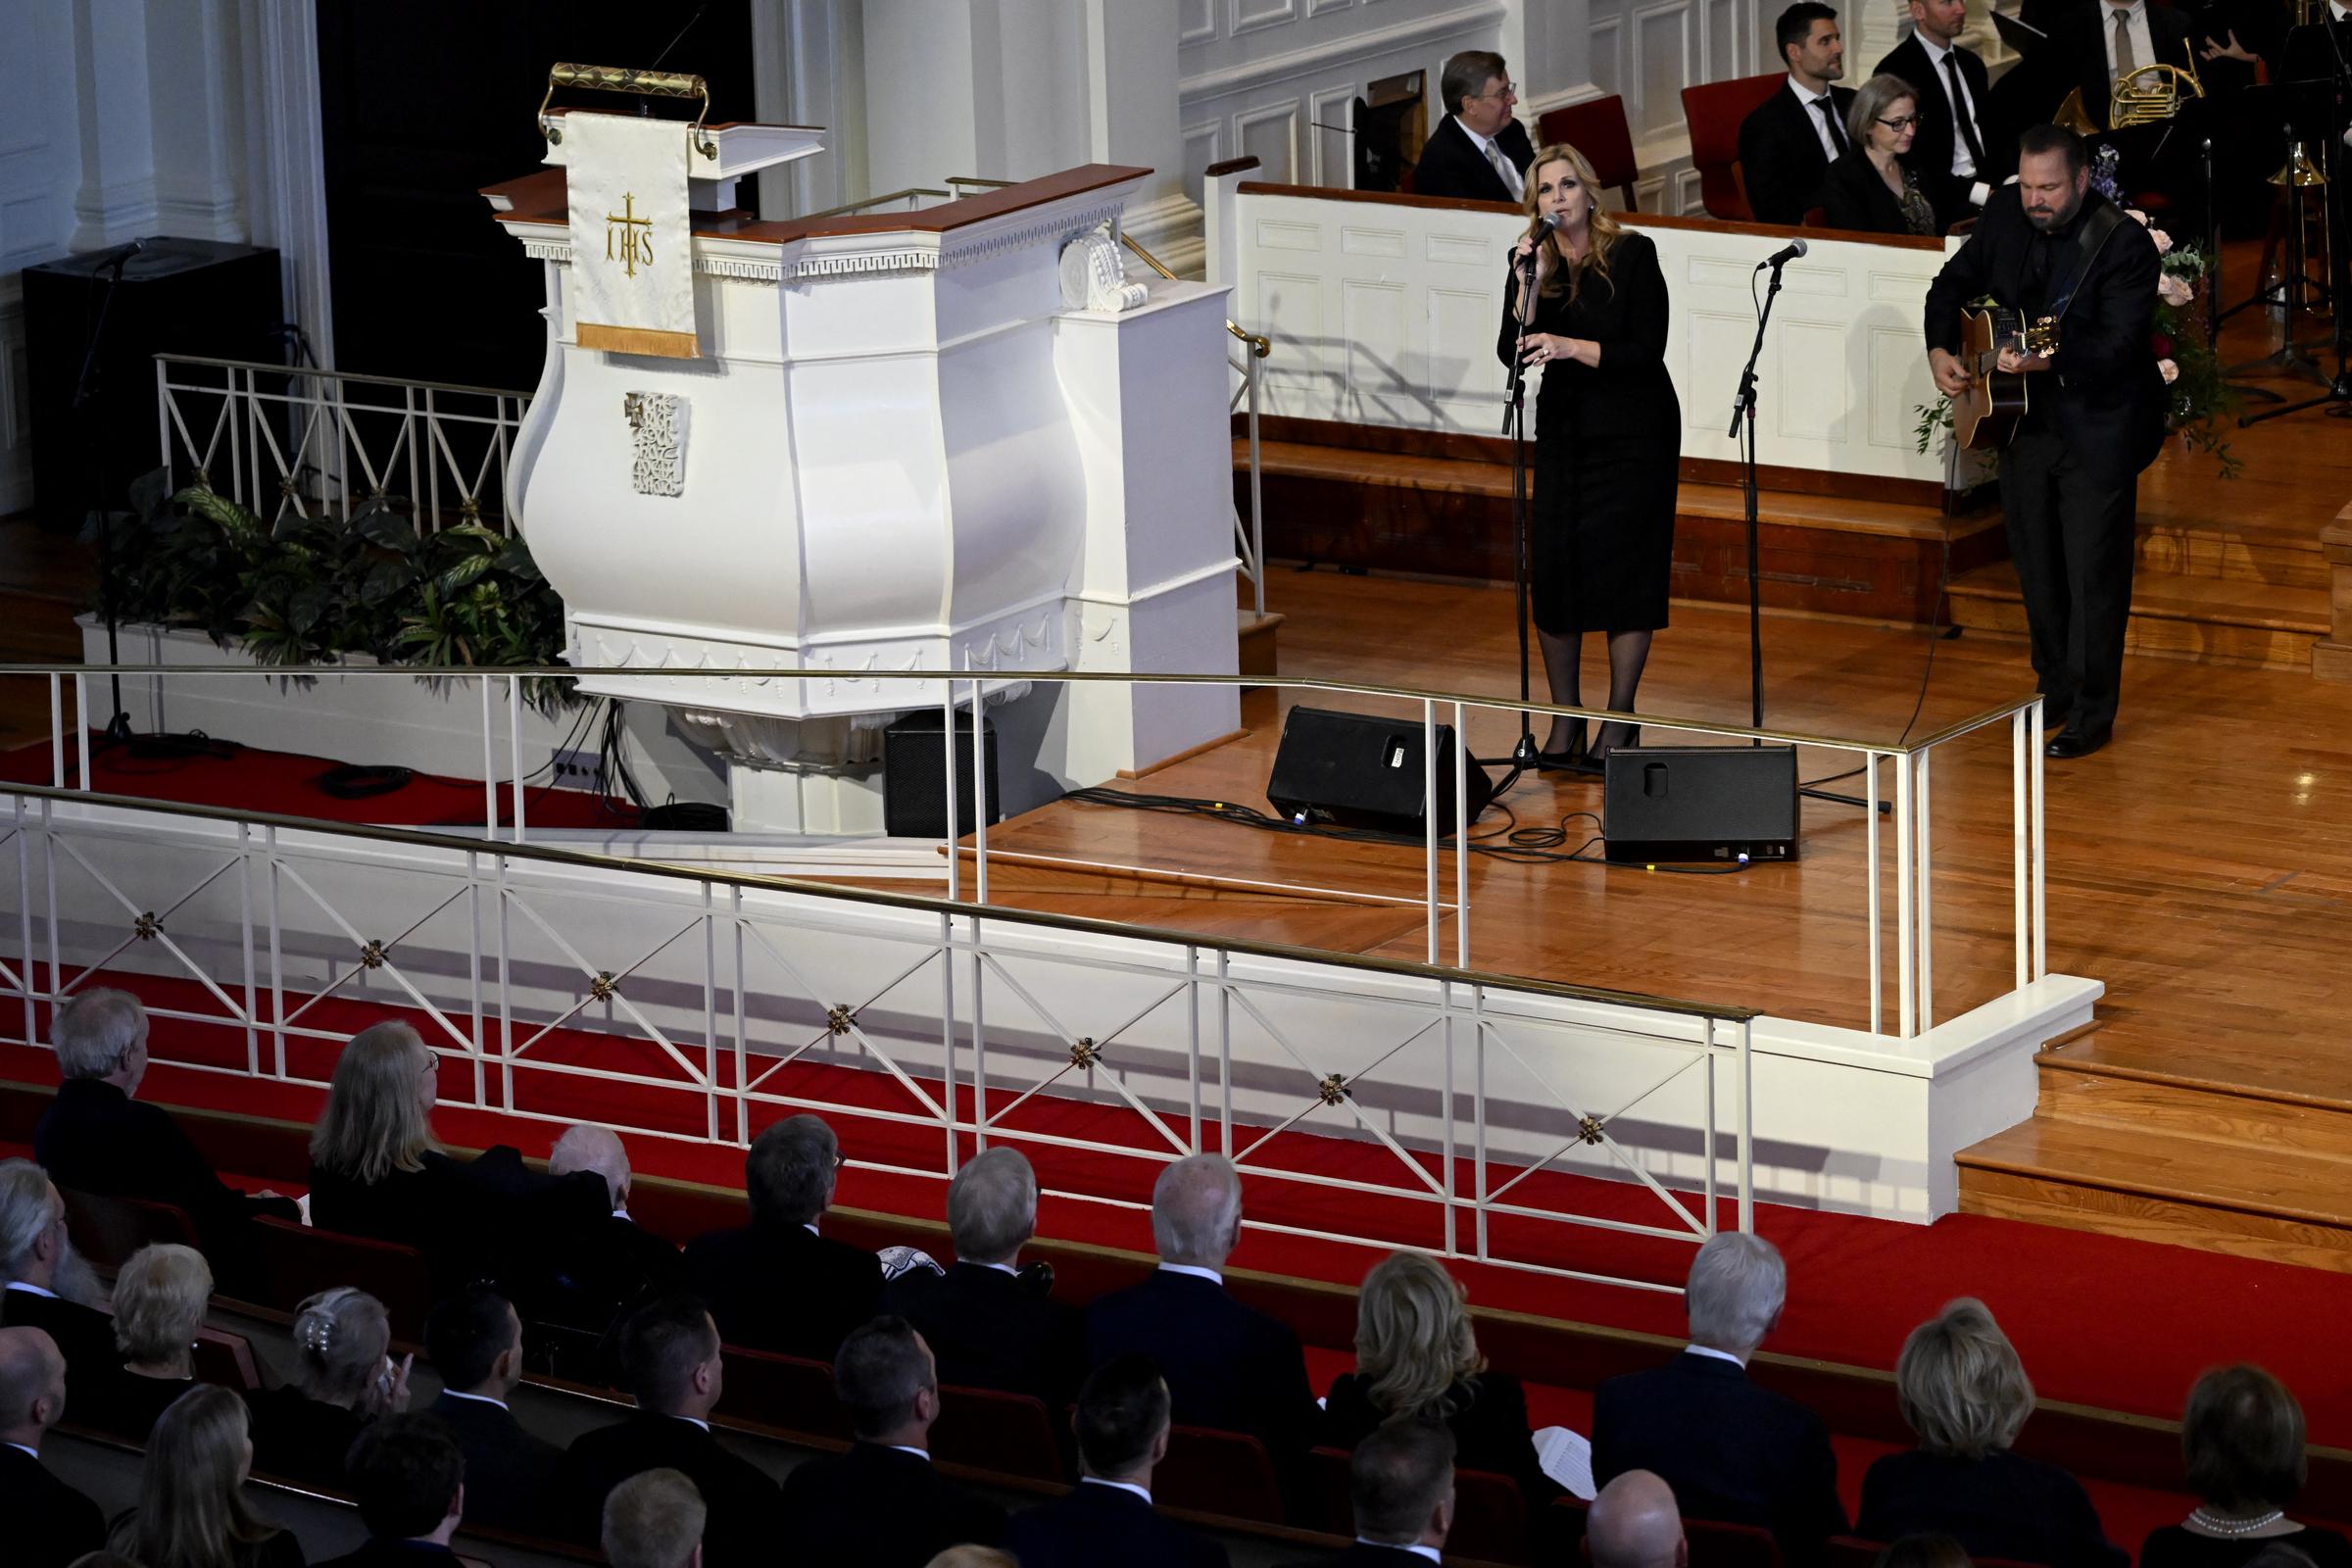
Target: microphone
[116,256]
[1548,222]
[1784,256]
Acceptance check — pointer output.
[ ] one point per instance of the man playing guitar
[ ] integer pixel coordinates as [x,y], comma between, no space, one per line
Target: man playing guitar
[2049,246]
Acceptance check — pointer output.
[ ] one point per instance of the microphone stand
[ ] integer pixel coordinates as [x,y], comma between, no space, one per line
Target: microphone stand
[2337,397]
[85,404]
[1523,756]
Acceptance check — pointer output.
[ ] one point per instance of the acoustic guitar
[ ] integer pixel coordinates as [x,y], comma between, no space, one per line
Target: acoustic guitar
[1986,414]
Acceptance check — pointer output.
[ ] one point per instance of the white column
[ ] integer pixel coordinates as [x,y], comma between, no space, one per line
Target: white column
[112,97]
[1131,53]
[285,167]
[809,69]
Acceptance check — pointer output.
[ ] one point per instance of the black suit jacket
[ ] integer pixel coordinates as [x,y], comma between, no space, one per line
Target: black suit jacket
[49,1523]
[881,1508]
[1931,146]
[465,1216]
[2102,393]
[1781,160]
[509,1474]
[590,1273]
[2078,39]
[1228,1366]
[298,1439]
[1853,196]
[1098,1523]
[1488,1423]
[990,1331]
[1452,166]
[84,1335]
[782,1287]
[745,1525]
[2003,1505]
[1730,1449]
[374,1553]
[1363,1554]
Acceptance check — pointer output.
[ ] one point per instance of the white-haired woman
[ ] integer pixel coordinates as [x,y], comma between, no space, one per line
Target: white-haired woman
[160,1297]
[344,1377]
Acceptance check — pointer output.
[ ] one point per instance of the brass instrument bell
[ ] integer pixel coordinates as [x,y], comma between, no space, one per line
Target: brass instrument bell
[2299,169]
[2149,93]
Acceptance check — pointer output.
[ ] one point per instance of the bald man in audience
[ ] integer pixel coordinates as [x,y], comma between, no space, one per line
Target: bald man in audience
[1634,1523]
[49,1523]
[589,1277]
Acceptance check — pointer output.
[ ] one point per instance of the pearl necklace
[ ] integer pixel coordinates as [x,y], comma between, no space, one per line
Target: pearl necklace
[2235,1527]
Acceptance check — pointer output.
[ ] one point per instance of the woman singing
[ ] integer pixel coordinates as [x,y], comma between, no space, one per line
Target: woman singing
[1608,439]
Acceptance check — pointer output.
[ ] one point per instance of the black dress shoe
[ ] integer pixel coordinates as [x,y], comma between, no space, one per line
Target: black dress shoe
[1571,761]
[2070,742]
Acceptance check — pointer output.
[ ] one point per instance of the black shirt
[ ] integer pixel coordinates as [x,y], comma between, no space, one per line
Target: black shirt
[2002,1505]
[2173,1546]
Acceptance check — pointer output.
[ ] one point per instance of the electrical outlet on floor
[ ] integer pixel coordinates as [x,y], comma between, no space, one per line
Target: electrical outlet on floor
[579,770]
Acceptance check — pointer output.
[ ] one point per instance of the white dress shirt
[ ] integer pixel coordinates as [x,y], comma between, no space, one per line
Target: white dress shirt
[1416,1548]
[1821,133]
[1196,1270]
[33,1454]
[478,1398]
[1963,166]
[1496,157]
[2143,47]
[1719,1356]
[1123,1486]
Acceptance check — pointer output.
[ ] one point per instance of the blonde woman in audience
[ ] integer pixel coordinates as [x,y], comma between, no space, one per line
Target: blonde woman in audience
[344,1377]
[376,1167]
[160,1297]
[1416,1354]
[2243,1438]
[192,1510]
[1964,1393]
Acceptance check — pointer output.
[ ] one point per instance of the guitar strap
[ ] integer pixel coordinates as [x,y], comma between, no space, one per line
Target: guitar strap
[2097,225]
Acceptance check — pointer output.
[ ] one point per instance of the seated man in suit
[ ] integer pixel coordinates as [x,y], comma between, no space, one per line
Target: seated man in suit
[1951,151]
[590,1275]
[1400,1482]
[2104,41]
[881,1505]
[1228,1366]
[47,1284]
[409,1479]
[1635,1523]
[1730,1449]
[670,1362]
[1788,144]
[655,1520]
[1122,1425]
[1479,151]
[474,1340]
[49,1523]
[988,1327]
[96,1137]
[776,1284]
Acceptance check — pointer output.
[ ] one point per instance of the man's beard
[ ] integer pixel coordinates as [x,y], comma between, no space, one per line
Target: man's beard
[77,1281]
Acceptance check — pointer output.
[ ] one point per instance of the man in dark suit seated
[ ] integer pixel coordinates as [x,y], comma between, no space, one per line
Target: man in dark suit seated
[474,1342]
[988,1327]
[776,1284]
[1401,1483]
[670,1361]
[1953,151]
[655,1520]
[881,1505]
[1479,151]
[2102,41]
[1787,143]
[1730,1449]
[96,1137]
[1228,1366]
[1122,1423]
[1635,1523]
[590,1275]
[409,1479]
[49,1523]
[47,1285]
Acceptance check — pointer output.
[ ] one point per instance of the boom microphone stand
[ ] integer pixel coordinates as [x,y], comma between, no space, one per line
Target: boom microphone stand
[1523,757]
[2338,76]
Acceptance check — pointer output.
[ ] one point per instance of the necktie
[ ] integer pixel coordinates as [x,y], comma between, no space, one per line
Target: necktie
[1828,117]
[1965,113]
[2124,64]
[1503,169]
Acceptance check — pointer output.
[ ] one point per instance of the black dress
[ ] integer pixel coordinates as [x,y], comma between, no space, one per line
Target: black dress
[1488,1423]
[1609,441]
[2002,1505]
[2172,1547]
[1853,196]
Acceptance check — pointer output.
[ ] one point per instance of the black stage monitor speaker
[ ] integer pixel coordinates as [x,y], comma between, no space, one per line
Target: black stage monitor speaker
[1357,770]
[915,793]
[1700,803]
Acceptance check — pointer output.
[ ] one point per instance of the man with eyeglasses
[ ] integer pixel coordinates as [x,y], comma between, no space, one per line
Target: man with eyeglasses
[1479,152]
[1953,153]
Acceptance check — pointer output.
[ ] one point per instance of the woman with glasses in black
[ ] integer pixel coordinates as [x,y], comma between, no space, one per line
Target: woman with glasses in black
[1870,188]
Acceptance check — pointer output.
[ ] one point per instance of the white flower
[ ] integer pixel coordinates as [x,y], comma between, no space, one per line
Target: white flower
[2174,290]
[2136,215]
[2164,241]
[2169,371]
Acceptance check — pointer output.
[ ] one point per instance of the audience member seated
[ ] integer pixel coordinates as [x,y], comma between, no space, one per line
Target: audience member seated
[655,1520]
[49,1523]
[96,1137]
[192,1510]
[594,1273]
[1634,1523]
[474,1342]
[1787,143]
[974,1558]
[672,1364]
[1122,1423]
[47,1284]
[881,1505]
[409,1479]
[776,1284]
[2243,1438]
[159,1297]
[1416,1354]
[344,1377]
[1965,1394]
[1871,188]
[1927,1550]
[1400,1484]
[1730,1449]
[1479,152]
[1228,1366]
[1960,152]
[990,1328]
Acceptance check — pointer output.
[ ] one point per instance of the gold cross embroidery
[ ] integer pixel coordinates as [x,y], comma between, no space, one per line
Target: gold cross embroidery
[636,235]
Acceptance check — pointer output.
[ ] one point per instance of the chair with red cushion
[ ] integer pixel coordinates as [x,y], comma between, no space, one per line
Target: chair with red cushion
[1597,128]
[788,1392]
[1714,110]
[108,1230]
[1716,1544]
[1218,1472]
[300,1260]
[991,1429]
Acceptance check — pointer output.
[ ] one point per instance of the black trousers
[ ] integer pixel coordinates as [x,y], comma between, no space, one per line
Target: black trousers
[2071,534]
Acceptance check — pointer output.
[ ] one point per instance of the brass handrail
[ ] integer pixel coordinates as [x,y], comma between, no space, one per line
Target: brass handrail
[847,208]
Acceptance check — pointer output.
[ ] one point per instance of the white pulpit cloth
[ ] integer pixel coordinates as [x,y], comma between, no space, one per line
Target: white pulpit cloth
[632,244]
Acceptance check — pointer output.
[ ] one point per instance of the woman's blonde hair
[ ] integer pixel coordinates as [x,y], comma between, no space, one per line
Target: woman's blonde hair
[1960,1385]
[1413,1341]
[193,1511]
[340,1339]
[159,1297]
[1562,271]
[376,1123]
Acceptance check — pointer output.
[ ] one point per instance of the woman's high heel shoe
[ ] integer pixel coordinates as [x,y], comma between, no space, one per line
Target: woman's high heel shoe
[1571,761]
[1596,757]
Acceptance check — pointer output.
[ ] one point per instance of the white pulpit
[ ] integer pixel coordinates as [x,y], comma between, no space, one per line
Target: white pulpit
[898,448]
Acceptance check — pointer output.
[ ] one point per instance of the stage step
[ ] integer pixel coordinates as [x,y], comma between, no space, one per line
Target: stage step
[2214,620]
